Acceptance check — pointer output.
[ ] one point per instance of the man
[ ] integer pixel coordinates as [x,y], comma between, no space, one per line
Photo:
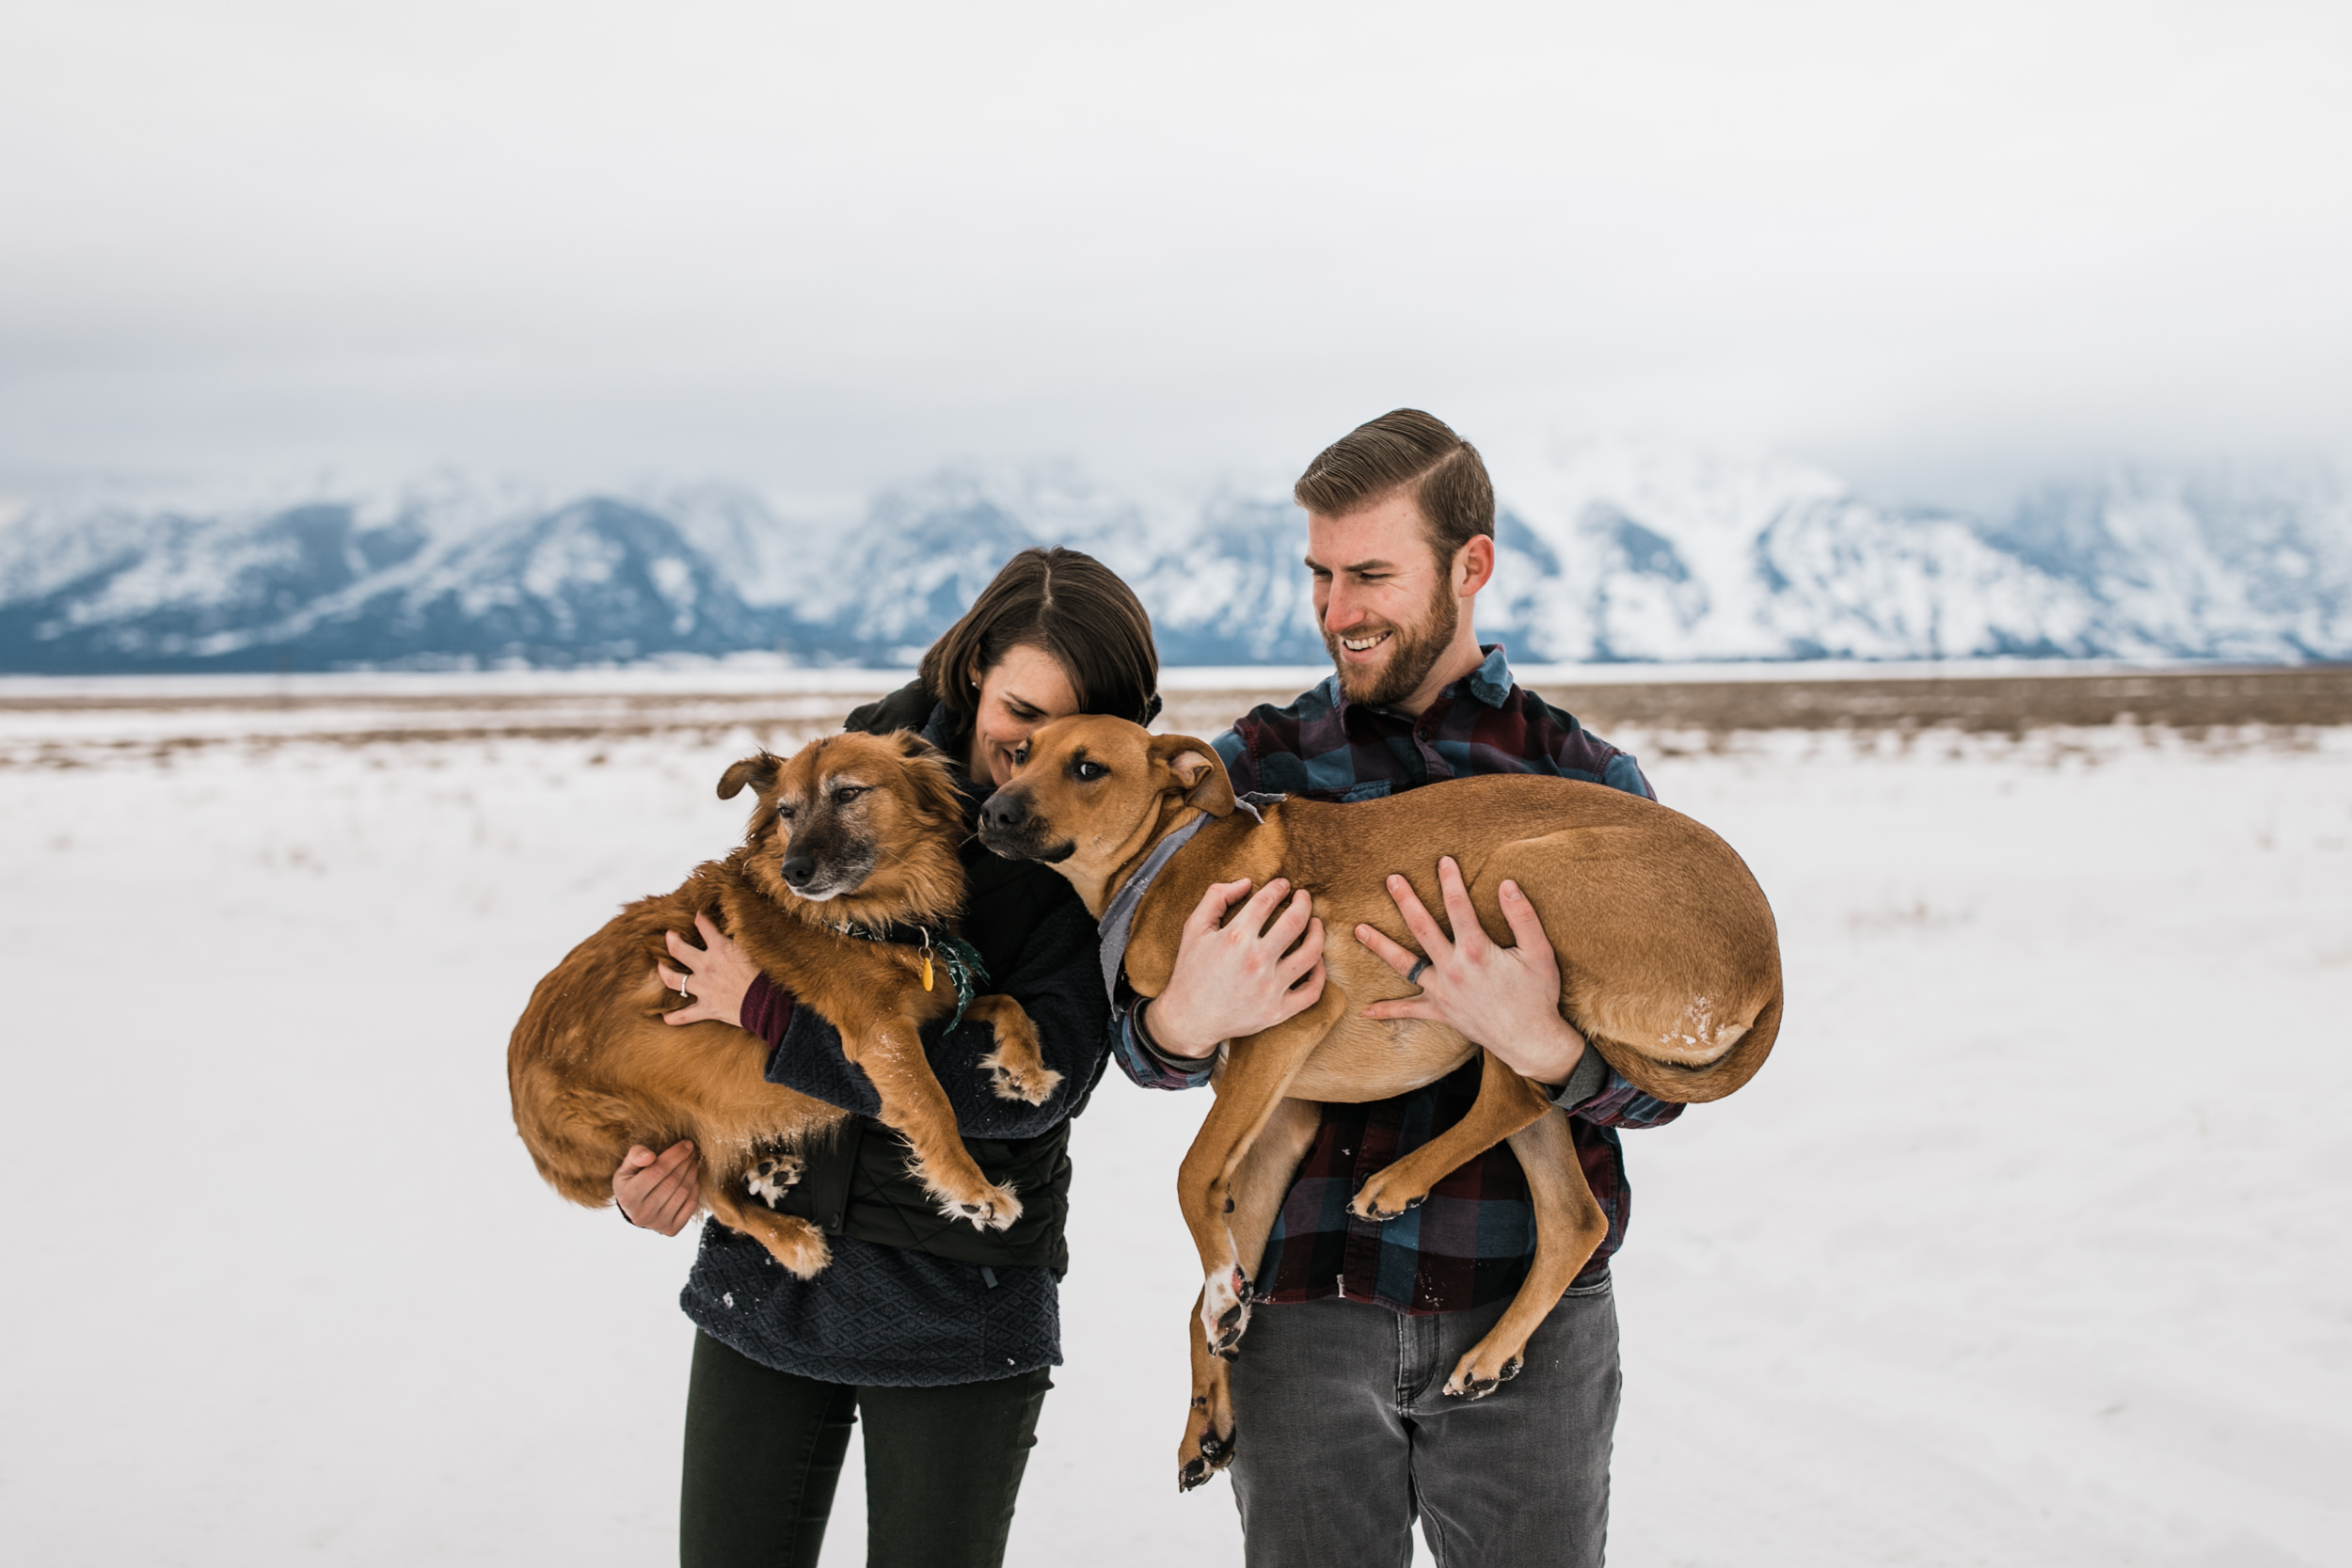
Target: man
[1342,1434]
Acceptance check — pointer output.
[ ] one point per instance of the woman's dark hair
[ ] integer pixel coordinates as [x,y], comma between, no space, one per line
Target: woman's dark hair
[1072,606]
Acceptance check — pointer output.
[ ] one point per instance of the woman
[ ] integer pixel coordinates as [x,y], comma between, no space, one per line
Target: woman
[939,1333]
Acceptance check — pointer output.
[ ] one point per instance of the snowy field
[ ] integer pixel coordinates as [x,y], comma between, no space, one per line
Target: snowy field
[2029,1246]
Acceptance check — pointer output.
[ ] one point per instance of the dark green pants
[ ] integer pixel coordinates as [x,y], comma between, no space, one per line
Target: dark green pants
[764,1450]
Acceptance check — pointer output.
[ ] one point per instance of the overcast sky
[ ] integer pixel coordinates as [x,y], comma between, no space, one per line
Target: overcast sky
[814,249]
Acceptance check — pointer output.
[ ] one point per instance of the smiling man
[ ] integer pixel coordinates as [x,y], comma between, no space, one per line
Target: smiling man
[1344,1436]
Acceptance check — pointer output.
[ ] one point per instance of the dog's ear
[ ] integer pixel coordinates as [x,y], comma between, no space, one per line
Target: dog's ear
[934,780]
[915,745]
[760,771]
[1198,768]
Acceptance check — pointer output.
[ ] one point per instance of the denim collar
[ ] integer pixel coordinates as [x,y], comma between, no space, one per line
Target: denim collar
[1119,915]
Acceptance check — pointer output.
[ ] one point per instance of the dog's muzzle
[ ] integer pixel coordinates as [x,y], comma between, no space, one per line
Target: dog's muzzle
[818,882]
[1009,828]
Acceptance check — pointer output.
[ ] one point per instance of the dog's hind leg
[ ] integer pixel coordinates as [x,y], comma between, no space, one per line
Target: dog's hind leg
[1209,1428]
[1505,1103]
[1258,1188]
[1017,1066]
[792,1241]
[1256,1076]
[1568,1226]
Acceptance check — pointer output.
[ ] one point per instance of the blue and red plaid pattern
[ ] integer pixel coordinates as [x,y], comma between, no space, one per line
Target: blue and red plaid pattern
[1471,1242]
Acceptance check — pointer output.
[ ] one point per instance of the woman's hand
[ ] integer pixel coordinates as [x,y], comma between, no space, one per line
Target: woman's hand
[659,1191]
[716,977]
[1506,999]
[1234,979]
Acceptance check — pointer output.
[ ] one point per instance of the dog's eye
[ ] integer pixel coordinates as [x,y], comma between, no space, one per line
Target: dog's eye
[1021,754]
[783,814]
[1089,770]
[848,793]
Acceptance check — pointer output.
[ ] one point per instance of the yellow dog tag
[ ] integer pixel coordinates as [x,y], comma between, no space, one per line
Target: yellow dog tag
[926,971]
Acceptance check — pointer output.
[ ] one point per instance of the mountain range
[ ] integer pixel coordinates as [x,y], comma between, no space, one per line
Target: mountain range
[1606,554]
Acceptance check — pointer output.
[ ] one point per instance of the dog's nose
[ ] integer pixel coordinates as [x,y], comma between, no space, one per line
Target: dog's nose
[798,869]
[1004,811]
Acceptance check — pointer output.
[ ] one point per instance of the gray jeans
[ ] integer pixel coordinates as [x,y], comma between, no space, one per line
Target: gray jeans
[1344,1438]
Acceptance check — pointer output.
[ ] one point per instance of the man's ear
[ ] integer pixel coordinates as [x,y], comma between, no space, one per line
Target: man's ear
[1473,566]
[760,771]
[1196,766]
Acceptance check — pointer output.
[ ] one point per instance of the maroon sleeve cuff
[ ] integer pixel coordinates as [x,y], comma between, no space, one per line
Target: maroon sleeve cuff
[767,1010]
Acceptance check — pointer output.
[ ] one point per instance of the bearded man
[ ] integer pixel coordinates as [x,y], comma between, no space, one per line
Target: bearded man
[1344,1436]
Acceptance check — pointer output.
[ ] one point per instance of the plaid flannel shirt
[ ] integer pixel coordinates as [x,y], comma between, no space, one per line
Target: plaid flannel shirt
[1472,1241]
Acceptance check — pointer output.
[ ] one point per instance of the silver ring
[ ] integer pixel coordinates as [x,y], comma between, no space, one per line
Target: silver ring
[1413,975]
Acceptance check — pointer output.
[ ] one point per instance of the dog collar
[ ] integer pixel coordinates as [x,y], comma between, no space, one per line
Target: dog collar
[1119,915]
[959,957]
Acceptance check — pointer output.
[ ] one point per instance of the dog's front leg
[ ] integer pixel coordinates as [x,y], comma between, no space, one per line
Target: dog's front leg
[1259,1188]
[1016,1068]
[1257,1073]
[914,1105]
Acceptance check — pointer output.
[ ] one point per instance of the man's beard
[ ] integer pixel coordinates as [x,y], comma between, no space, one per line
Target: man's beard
[1413,652]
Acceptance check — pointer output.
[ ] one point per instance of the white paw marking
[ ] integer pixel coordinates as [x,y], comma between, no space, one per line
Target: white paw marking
[1218,1297]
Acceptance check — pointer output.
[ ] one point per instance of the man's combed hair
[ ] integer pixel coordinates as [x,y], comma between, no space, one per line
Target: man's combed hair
[1072,606]
[1414,453]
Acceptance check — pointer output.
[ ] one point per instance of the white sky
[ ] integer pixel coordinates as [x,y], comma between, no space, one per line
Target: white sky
[818,248]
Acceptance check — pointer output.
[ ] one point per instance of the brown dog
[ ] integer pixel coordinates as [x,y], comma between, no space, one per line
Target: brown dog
[854,832]
[1669,961]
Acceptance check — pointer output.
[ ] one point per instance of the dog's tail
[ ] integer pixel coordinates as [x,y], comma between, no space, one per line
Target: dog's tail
[1694,1085]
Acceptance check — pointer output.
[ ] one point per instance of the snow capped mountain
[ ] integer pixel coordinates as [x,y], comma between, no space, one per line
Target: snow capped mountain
[1607,553]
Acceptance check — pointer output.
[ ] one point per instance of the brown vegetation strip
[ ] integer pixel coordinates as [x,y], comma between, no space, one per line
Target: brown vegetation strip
[2186,700]
[2169,699]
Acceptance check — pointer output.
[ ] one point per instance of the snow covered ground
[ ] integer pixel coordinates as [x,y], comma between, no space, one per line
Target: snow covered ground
[2029,1245]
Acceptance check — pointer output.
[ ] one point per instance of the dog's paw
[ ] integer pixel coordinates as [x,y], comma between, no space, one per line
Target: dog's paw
[1210,1437]
[1379,1201]
[1032,1083]
[1202,1458]
[800,1247]
[1479,1374]
[1225,1312]
[995,1210]
[770,1176]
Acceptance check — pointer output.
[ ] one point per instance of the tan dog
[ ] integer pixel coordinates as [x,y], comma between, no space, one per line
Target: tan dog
[855,829]
[1669,961]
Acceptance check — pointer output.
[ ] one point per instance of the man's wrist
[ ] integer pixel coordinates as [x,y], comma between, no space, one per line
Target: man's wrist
[1587,1079]
[1560,1058]
[1159,1047]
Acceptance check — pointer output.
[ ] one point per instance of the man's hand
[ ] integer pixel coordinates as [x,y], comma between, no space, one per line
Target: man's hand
[1507,999]
[716,977]
[659,1191]
[1233,978]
